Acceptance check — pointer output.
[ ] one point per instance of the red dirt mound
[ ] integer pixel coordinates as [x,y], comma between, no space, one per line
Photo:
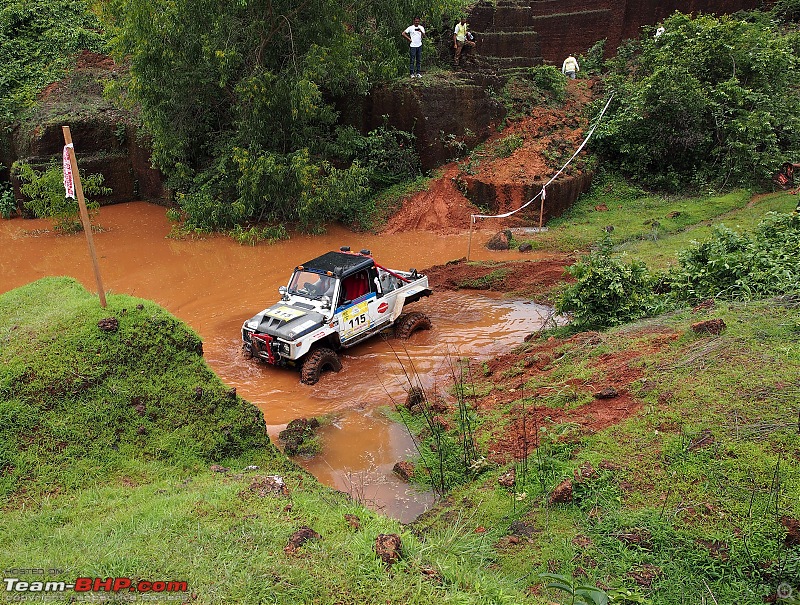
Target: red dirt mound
[442,208]
[532,279]
[89,60]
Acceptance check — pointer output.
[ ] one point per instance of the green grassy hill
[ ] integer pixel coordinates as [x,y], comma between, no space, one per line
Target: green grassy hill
[93,395]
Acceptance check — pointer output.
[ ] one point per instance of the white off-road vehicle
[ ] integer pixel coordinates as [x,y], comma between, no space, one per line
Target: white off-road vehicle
[333,302]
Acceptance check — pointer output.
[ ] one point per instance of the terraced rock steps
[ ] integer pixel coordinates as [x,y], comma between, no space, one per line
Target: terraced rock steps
[528,32]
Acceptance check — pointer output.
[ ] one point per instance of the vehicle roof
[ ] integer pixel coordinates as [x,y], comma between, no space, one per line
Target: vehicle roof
[339,262]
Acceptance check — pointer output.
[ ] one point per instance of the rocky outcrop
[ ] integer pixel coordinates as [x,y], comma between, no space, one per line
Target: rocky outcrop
[104,144]
[446,115]
[506,35]
[552,29]
[561,194]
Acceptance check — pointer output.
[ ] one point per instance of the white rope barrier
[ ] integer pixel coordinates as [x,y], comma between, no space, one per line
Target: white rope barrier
[542,193]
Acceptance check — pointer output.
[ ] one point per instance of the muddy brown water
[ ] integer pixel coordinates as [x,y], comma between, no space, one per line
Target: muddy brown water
[214,284]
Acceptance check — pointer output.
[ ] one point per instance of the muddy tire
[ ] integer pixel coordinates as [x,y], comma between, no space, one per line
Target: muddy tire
[406,325]
[317,362]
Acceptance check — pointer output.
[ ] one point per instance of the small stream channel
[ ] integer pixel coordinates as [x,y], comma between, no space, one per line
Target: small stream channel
[214,284]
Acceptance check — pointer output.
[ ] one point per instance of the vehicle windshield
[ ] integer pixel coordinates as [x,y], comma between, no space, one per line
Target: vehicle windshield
[312,285]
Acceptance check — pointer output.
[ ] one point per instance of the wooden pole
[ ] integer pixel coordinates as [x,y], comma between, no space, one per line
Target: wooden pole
[541,211]
[87,225]
[469,244]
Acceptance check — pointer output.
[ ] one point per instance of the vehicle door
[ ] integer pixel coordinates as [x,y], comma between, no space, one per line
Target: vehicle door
[359,311]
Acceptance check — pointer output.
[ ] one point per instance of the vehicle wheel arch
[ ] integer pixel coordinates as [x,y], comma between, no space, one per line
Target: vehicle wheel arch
[317,361]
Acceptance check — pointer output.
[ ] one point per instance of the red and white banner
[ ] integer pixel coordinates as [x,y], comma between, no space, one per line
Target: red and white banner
[69,183]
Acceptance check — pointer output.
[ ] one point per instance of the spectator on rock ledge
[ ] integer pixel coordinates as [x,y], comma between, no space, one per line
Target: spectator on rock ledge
[414,34]
[461,37]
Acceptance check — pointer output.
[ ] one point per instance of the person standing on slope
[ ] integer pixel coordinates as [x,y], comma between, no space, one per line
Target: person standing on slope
[461,38]
[570,67]
[414,34]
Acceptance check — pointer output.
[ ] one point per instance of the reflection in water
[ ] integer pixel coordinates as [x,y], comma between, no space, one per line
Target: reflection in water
[215,284]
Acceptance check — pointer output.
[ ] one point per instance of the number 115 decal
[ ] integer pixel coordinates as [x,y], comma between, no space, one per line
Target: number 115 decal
[354,320]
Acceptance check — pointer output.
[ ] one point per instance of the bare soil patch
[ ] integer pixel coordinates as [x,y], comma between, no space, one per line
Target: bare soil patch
[442,208]
[510,372]
[529,279]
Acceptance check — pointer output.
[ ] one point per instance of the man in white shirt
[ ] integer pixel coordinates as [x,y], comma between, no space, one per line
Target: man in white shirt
[414,34]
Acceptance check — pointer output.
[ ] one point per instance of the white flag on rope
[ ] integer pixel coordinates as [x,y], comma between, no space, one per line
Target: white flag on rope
[544,194]
[69,183]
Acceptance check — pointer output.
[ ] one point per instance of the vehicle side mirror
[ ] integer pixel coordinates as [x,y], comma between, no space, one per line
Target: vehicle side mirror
[282,291]
[326,302]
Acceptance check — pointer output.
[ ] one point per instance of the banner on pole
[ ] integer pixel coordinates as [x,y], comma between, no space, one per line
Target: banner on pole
[69,183]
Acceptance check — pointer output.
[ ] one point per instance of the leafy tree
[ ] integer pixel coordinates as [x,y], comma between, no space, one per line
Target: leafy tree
[239,98]
[711,100]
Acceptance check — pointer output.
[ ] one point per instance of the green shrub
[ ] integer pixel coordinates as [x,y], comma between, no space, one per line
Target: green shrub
[787,10]
[255,185]
[550,80]
[254,234]
[608,292]
[388,154]
[46,199]
[508,145]
[730,265]
[592,62]
[740,265]
[8,203]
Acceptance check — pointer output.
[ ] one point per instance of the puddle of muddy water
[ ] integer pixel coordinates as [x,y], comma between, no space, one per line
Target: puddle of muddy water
[214,285]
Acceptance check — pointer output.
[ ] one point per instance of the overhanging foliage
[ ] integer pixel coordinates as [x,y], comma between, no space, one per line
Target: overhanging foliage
[38,42]
[710,101]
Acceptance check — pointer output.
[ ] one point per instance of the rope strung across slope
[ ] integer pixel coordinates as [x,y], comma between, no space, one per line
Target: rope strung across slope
[542,193]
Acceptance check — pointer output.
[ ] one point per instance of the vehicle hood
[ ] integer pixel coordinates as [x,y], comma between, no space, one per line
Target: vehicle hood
[287,321]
